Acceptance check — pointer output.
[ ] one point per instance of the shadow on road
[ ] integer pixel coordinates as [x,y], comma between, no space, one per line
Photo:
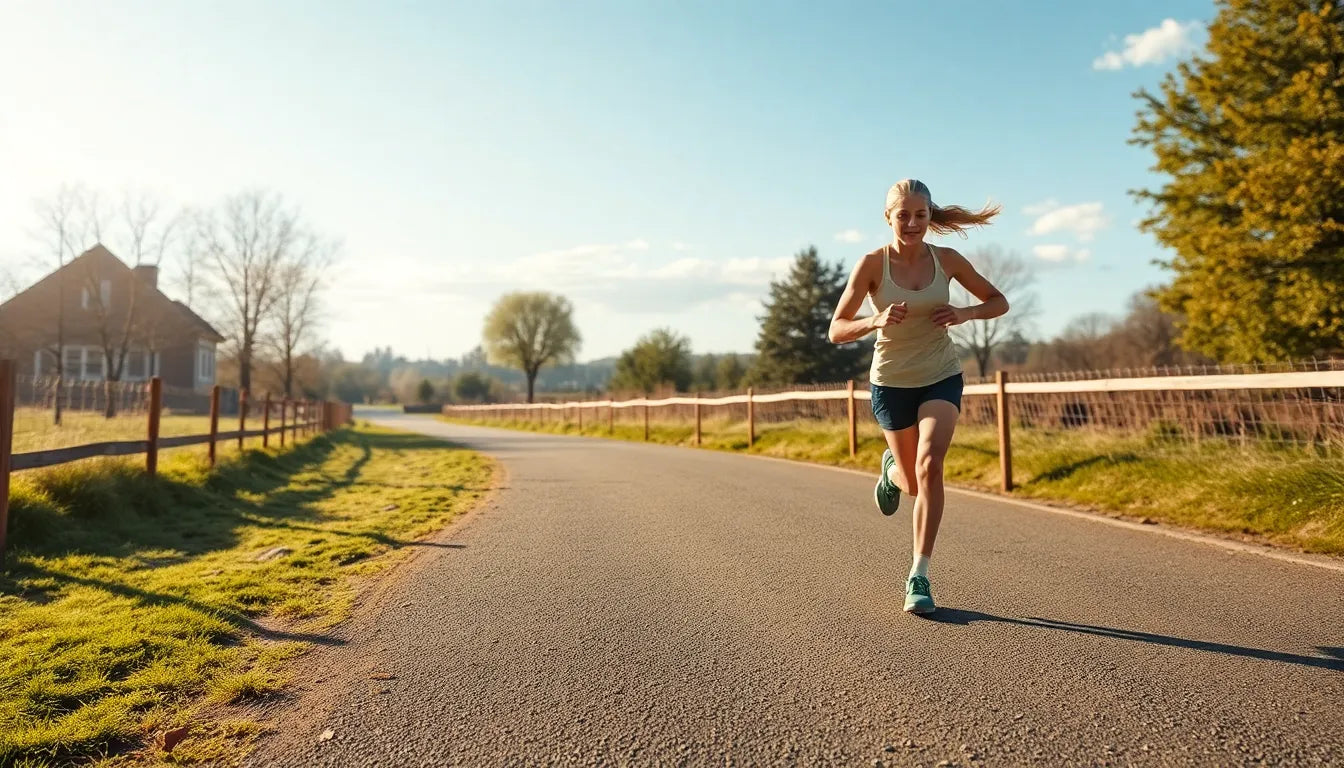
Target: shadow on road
[964,617]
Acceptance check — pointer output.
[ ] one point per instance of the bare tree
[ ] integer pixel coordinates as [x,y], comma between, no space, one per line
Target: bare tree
[9,285]
[68,222]
[1013,276]
[188,278]
[120,321]
[247,243]
[297,306]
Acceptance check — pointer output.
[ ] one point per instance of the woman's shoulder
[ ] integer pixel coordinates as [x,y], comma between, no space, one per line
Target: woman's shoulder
[950,258]
[874,256]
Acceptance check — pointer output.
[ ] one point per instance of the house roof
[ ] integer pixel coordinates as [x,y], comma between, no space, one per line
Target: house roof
[100,253]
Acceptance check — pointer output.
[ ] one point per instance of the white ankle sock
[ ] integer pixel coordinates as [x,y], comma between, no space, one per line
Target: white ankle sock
[920,566]
[893,476]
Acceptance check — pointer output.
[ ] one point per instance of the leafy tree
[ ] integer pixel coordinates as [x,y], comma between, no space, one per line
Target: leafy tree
[528,330]
[793,346]
[730,372]
[1013,350]
[705,378]
[471,386]
[1251,135]
[425,391]
[658,358]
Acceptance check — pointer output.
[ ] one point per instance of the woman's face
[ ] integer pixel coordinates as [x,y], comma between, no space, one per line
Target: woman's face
[909,219]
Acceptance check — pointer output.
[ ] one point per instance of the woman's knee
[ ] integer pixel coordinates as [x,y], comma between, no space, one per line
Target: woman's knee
[928,466]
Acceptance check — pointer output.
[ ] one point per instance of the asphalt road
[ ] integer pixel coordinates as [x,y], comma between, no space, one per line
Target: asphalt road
[622,603]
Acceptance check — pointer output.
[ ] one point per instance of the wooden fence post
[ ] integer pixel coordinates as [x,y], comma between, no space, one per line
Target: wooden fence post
[580,409]
[155,409]
[284,414]
[751,420]
[214,421]
[853,427]
[697,418]
[611,417]
[646,421]
[7,398]
[242,417]
[266,422]
[1005,444]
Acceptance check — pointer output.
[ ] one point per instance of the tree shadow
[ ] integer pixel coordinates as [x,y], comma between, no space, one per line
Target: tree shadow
[148,597]
[1059,473]
[964,617]
[115,510]
[377,536]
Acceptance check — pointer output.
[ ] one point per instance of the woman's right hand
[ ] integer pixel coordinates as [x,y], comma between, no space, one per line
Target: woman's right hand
[892,315]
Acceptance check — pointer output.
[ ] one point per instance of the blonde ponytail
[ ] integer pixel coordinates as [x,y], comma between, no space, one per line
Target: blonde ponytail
[942,219]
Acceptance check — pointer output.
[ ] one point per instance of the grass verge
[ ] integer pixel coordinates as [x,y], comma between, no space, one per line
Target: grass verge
[135,606]
[1283,497]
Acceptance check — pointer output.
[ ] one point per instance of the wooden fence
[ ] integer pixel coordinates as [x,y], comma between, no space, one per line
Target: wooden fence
[280,417]
[1315,398]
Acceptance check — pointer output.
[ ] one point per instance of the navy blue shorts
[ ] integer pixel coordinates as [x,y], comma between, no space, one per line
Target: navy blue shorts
[898,407]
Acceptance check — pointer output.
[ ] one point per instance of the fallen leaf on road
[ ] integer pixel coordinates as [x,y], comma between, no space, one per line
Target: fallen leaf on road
[326,735]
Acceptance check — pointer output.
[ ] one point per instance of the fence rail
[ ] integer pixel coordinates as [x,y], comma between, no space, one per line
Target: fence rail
[296,417]
[1301,407]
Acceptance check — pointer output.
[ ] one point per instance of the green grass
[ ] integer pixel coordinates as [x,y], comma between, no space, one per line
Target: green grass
[1284,497]
[134,605]
[34,430]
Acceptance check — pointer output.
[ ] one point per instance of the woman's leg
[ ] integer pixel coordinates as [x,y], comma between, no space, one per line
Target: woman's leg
[904,445]
[937,420]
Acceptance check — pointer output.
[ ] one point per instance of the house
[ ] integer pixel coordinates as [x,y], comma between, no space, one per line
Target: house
[110,321]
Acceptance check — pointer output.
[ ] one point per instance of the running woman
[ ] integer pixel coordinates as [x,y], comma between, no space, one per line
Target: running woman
[915,377]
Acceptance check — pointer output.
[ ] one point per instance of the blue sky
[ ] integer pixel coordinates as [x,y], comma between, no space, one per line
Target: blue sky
[658,163]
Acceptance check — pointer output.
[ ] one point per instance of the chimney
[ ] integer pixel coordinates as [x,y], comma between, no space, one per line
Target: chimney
[147,273]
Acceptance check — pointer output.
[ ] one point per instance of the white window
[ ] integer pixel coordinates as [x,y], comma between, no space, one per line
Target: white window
[104,295]
[93,363]
[44,363]
[205,364]
[74,362]
[133,369]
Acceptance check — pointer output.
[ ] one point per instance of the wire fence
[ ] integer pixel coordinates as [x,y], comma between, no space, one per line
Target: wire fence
[1259,408]
[56,413]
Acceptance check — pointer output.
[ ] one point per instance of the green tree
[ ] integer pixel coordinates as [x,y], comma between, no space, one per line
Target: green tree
[730,372]
[705,378]
[471,386]
[1251,135]
[528,330]
[657,359]
[425,391]
[793,345]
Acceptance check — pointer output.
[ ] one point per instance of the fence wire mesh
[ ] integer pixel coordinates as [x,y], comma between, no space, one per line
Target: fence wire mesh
[1308,418]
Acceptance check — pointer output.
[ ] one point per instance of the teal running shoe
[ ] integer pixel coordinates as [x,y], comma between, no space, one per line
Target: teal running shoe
[917,596]
[886,493]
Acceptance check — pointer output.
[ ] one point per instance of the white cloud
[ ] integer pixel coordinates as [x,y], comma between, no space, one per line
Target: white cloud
[622,277]
[1152,46]
[1057,253]
[1083,219]
[849,236]
[1045,206]
[680,246]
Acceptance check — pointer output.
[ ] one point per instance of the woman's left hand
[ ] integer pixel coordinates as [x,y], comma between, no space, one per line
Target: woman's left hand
[948,315]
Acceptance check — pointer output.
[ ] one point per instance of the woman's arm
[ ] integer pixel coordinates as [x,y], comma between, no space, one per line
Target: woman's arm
[844,326]
[993,302]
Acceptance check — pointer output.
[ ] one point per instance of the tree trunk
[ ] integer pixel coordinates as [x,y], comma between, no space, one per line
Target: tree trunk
[531,382]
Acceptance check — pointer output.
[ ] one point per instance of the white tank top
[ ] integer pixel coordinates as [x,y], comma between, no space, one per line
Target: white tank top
[914,352]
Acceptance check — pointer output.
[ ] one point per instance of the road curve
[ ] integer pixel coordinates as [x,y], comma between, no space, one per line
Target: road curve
[626,603]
